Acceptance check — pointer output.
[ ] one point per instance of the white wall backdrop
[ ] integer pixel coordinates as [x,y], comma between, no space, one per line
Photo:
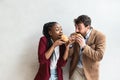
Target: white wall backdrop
[21,24]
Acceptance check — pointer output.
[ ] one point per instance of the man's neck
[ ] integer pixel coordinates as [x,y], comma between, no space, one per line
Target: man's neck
[87,32]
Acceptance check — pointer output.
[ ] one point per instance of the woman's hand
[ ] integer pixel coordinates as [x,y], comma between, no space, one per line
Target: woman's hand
[58,43]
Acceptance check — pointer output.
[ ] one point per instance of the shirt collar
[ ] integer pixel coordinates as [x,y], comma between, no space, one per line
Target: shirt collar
[88,34]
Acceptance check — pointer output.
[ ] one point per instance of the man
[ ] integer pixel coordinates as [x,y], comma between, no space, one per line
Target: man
[86,51]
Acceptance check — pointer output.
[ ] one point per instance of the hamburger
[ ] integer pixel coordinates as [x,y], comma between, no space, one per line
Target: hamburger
[75,35]
[64,38]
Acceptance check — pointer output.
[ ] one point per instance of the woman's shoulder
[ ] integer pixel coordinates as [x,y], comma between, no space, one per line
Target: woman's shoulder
[43,38]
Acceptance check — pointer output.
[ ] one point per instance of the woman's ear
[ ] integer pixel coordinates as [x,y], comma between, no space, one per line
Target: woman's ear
[50,33]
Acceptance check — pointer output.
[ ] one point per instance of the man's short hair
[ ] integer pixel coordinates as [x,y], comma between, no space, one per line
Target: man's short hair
[83,19]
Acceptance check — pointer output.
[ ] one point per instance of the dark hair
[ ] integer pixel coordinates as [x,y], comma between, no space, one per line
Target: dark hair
[46,29]
[83,19]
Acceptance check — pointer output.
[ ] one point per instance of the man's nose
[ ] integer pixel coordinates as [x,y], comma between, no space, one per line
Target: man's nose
[76,30]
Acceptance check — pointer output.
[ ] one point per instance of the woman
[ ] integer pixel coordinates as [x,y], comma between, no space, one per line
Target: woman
[52,53]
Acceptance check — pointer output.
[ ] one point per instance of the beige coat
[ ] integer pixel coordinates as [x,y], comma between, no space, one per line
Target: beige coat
[92,54]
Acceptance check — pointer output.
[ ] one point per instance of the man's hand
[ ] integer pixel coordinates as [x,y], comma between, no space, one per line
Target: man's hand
[81,41]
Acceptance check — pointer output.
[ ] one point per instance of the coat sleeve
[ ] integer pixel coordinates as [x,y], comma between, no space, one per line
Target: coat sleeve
[61,62]
[42,49]
[96,50]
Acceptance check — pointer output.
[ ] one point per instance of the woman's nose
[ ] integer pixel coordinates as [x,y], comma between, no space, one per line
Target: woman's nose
[61,31]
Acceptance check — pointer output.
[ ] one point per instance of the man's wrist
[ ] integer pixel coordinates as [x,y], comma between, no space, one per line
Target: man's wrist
[83,47]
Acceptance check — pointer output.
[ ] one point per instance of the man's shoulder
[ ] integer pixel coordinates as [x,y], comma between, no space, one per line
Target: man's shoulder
[97,32]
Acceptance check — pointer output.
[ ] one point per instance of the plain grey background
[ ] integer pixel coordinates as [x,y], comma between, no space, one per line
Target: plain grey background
[21,23]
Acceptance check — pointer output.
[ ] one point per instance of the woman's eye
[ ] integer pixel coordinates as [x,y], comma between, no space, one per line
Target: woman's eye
[57,29]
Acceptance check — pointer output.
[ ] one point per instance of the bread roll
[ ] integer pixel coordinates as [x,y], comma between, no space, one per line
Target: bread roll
[64,38]
[76,35]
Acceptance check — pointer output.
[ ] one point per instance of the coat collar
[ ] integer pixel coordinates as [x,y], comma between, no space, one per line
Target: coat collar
[92,34]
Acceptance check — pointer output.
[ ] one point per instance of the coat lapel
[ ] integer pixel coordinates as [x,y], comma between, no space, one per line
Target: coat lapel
[90,39]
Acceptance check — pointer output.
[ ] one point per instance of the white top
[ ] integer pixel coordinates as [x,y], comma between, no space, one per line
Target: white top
[54,58]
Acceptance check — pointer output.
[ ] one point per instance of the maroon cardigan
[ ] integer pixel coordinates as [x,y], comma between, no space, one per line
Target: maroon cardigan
[44,69]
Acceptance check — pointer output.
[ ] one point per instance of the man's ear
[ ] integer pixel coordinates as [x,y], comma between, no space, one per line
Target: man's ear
[50,33]
[88,27]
